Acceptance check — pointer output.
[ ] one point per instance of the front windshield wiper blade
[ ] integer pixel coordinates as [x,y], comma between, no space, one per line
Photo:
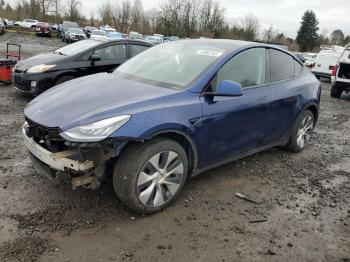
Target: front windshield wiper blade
[60,53]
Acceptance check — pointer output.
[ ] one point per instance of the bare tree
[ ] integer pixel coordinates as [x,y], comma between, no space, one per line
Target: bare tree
[250,26]
[269,34]
[125,16]
[73,9]
[137,16]
[105,13]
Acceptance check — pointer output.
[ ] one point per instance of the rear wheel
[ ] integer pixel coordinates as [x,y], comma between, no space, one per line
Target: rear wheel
[64,79]
[302,131]
[149,176]
[336,91]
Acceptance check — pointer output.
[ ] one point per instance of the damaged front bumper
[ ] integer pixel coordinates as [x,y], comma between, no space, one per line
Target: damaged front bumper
[61,161]
[85,166]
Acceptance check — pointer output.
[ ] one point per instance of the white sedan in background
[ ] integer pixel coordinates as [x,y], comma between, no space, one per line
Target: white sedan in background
[28,23]
[98,34]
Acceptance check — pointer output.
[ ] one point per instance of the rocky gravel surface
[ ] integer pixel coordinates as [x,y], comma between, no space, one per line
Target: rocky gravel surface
[303,210]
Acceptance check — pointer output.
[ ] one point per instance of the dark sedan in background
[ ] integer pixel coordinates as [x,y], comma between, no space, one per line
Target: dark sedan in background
[39,73]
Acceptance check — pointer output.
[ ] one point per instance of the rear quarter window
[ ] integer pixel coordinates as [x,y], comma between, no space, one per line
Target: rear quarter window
[136,49]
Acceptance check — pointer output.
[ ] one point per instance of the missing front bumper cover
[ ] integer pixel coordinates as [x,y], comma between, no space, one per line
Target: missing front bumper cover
[62,161]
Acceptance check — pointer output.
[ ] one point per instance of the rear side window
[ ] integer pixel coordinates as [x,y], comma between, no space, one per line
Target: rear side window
[282,66]
[112,52]
[136,49]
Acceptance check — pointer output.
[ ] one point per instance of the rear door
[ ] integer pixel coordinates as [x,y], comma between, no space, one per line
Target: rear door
[286,92]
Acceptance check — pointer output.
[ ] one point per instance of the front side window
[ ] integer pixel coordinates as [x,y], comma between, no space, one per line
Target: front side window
[113,52]
[136,49]
[247,68]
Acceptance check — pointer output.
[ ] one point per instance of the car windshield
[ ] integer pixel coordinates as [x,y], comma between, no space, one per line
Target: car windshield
[174,65]
[76,31]
[76,48]
[98,32]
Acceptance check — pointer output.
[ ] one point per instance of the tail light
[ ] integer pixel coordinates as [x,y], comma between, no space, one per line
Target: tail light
[334,70]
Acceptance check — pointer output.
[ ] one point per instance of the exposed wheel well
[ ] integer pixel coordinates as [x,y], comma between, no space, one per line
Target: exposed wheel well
[314,111]
[64,75]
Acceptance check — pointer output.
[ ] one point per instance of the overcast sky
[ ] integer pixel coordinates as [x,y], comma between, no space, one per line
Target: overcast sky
[284,15]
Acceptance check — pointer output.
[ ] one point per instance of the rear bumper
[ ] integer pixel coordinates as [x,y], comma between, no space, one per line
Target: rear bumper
[322,74]
[61,161]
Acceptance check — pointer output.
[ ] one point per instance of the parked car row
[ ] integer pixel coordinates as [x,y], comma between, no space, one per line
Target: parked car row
[39,73]
[169,113]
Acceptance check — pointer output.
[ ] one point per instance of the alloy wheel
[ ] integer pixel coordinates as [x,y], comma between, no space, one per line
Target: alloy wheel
[305,128]
[160,179]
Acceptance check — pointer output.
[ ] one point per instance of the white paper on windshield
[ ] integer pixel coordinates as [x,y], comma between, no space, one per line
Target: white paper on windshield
[209,53]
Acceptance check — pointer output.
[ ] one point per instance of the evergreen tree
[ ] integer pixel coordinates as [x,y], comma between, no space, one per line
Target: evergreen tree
[307,37]
[337,37]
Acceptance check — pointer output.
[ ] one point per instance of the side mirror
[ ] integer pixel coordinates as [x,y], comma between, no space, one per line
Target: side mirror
[94,58]
[228,88]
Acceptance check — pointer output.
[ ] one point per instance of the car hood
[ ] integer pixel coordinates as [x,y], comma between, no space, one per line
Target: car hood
[47,58]
[92,98]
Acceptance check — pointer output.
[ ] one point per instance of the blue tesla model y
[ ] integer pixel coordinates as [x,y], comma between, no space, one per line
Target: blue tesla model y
[170,113]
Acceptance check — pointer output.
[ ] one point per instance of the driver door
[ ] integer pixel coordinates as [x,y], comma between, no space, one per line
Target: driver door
[234,126]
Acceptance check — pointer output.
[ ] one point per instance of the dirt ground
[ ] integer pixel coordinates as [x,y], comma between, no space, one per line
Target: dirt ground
[304,201]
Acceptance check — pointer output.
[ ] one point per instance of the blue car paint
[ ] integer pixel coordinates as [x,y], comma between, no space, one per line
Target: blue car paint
[225,127]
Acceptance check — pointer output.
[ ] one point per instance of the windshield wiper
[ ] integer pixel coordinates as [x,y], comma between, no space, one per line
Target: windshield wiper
[60,53]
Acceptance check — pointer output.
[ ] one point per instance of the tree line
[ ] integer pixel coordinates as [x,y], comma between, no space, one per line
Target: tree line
[183,18]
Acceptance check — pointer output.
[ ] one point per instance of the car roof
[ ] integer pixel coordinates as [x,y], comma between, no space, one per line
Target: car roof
[229,45]
[126,40]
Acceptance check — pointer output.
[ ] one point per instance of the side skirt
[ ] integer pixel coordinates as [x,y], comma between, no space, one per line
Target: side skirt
[232,159]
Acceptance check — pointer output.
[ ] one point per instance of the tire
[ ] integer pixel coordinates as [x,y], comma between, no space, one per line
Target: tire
[135,167]
[64,79]
[336,91]
[301,131]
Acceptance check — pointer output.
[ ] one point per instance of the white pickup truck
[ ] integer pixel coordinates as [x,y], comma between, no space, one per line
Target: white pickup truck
[326,61]
[341,74]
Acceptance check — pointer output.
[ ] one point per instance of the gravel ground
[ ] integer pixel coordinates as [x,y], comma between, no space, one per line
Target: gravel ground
[304,202]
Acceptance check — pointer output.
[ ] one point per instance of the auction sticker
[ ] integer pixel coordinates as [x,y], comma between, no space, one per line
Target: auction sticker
[209,53]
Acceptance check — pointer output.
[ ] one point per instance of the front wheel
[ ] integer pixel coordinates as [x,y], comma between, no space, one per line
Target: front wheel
[147,177]
[64,79]
[336,91]
[302,131]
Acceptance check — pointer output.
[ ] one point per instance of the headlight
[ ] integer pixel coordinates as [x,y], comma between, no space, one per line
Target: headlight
[72,35]
[40,69]
[96,131]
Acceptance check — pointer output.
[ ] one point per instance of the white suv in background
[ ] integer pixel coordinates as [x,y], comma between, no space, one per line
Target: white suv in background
[341,74]
[326,60]
[29,23]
